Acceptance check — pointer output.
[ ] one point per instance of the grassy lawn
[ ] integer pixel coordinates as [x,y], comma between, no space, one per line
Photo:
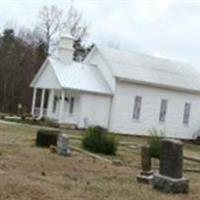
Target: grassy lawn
[32,122]
[30,173]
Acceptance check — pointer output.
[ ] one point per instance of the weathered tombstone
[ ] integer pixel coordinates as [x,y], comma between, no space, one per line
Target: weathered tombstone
[170,177]
[146,174]
[19,109]
[63,145]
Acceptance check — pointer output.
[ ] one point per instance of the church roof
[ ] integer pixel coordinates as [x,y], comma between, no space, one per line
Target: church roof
[79,76]
[150,70]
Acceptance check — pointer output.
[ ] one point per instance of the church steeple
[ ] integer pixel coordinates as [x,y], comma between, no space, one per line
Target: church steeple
[65,46]
[66,42]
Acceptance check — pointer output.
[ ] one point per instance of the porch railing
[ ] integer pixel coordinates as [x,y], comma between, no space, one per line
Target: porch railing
[37,112]
[71,118]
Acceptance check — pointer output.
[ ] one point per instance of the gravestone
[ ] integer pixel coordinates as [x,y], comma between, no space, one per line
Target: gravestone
[146,174]
[63,145]
[19,109]
[170,177]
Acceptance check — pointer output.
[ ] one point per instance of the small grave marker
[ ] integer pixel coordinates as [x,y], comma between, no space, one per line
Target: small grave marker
[146,174]
[63,145]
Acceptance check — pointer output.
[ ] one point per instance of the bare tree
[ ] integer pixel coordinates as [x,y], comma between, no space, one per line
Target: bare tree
[77,25]
[52,21]
[31,37]
[78,28]
[49,23]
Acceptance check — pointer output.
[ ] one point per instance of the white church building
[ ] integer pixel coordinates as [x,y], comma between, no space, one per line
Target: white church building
[125,92]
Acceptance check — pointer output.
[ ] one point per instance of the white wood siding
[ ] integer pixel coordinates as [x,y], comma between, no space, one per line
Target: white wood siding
[48,79]
[96,109]
[97,60]
[122,111]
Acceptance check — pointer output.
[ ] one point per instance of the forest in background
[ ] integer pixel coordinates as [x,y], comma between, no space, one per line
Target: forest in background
[22,52]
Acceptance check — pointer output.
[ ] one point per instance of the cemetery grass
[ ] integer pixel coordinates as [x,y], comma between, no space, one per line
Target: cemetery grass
[31,173]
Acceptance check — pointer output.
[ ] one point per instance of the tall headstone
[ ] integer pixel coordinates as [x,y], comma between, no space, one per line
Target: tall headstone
[146,175]
[63,145]
[170,177]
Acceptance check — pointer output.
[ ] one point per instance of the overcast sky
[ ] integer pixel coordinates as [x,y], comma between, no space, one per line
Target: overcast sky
[163,28]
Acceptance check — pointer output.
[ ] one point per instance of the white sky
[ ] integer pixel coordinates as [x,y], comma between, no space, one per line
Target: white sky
[165,28]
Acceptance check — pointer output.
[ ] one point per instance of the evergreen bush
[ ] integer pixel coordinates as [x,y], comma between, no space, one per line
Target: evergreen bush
[97,140]
[154,142]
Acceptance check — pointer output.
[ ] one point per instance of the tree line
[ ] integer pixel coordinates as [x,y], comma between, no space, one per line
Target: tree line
[22,52]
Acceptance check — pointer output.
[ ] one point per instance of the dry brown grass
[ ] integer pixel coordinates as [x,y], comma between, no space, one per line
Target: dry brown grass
[30,173]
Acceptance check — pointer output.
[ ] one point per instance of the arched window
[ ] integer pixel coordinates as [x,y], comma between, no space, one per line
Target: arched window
[186,114]
[163,110]
[137,107]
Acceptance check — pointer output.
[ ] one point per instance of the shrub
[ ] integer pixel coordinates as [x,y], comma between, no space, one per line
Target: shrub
[154,142]
[23,117]
[196,138]
[97,140]
[45,138]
